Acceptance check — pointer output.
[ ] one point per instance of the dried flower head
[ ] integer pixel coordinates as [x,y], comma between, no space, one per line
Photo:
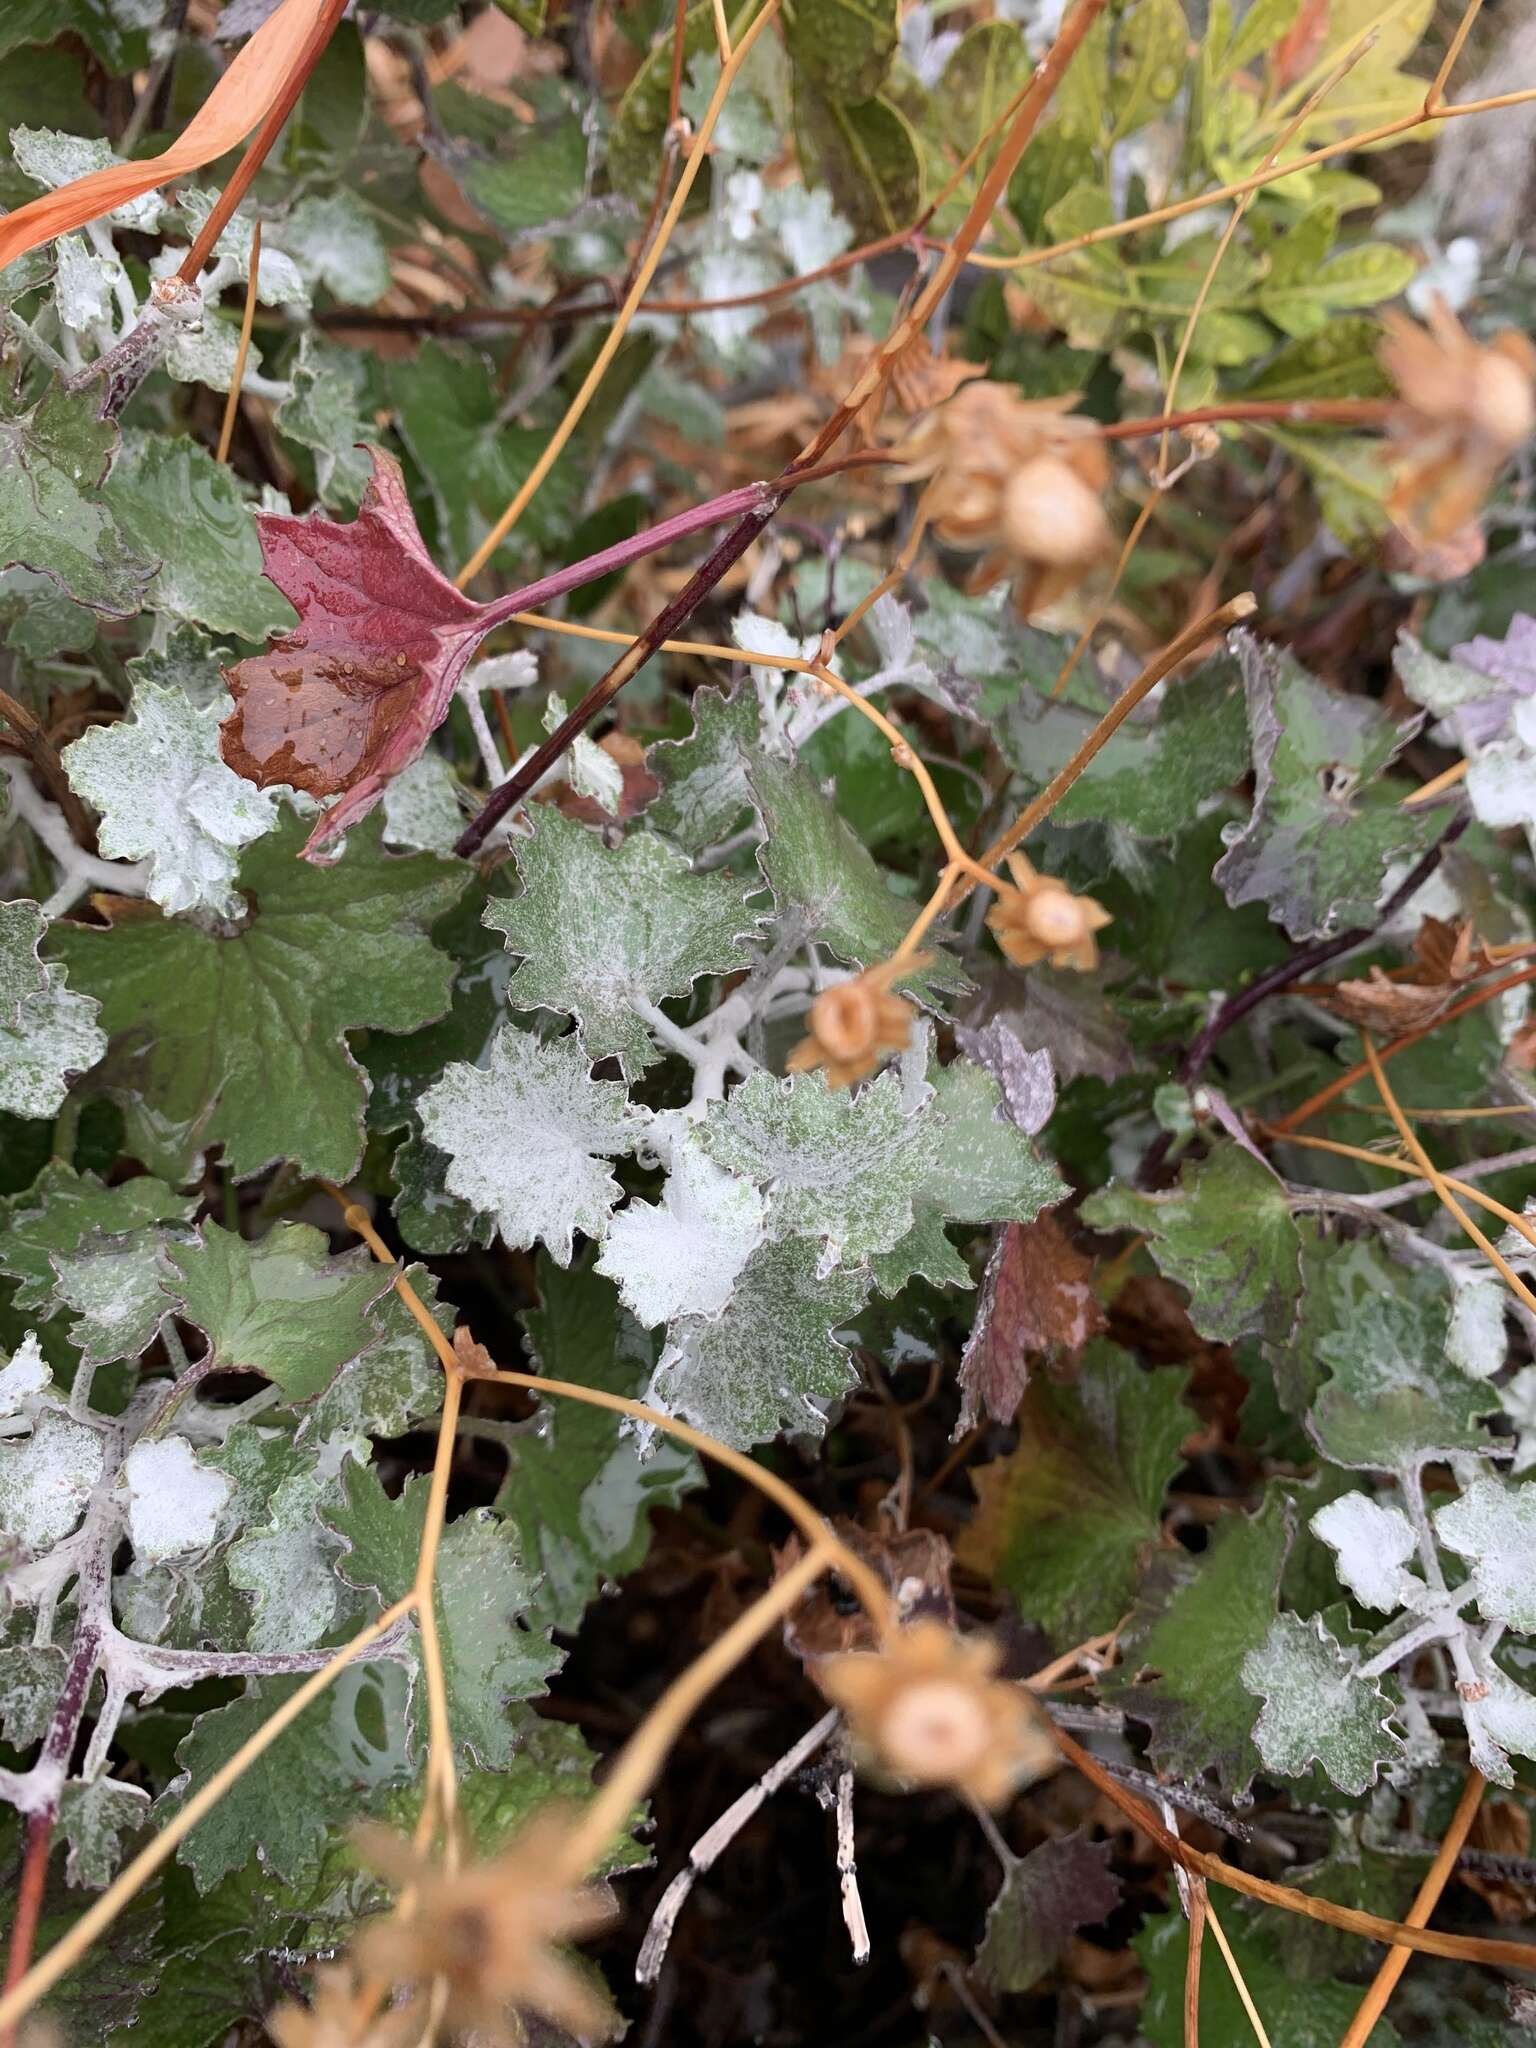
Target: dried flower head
[1023,479]
[336,2018]
[1466,408]
[930,1708]
[1039,918]
[489,1932]
[857,1023]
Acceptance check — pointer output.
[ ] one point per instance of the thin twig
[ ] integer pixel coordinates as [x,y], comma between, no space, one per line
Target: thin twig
[1176,652]
[261,142]
[1295,1118]
[232,402]
[1468,1948]
[49,769]
[1393,1964]
[694,163]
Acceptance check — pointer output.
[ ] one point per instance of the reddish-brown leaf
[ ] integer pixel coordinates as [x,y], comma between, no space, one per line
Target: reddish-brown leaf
[1445,958]
[1037,1301]
[351,696]
[915,1565]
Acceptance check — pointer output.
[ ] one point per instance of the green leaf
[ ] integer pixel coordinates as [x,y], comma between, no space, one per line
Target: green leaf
[350,1742]
[284,1557]
[770,1360]
[840,1166]
[47,1031]
[335,241]
[1306,285]
[824,879]
[1340,361]
[1153,776]
[116,1287]
[1226,1234]
[533,1100]
[394,1381]
[64,1210]
[1317,1709]
[579,1488]
[987,72]
[239,1036]
[1300,2013]
[1066,1521]
[483,1593]
[1494,1527]
[1263,25]
[31,1679]
[53,461]
[640,123]
[166,796]
[539,182]
[1391,1400]
[93,1814]
[1150,62]
[602,931]
[41,619]
[46,1478]
[328,414]
[1194,1624]
[282,1306]
[474,462]
[977,1166]
[1325,825]
[177,504]
[704,793]
[843,47]
[1060,1886]
[868,154]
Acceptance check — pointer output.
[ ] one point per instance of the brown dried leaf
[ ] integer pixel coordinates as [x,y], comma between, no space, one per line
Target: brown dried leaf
[1446,957]
[914,1564]
[1037,1302]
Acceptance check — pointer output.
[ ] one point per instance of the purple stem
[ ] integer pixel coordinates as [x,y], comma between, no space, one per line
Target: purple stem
[1298,967]
[675,613]
[713,512]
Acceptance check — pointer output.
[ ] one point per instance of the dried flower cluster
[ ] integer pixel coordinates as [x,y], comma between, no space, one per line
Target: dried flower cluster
[930,1709]
[487,1935]
[1039,918]
[857,1024]
[1022,479]
[1466,408]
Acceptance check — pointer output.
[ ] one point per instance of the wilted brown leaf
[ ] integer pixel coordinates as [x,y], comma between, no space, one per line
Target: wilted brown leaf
[1036,1302]
[828,1621]
[1446,957]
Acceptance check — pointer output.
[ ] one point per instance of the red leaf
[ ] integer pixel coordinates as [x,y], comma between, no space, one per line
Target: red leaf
[339,706]
[1036,1301]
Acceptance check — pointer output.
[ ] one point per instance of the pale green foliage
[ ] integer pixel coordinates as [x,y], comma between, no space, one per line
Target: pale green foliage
[601,931]
[771,1360]
[1316,1708]
[165,796]
[528,1136]
[683,1255]
[47,1031]
[1494,1528]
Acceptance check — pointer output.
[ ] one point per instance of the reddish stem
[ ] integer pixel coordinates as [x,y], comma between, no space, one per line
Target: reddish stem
[261,142]
[29,1904]
[713,512]
[1358,412]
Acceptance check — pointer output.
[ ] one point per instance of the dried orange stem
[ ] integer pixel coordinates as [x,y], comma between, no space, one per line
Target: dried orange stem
[232,402]
[1437,1179]
[1393,1964]
[1295,1118]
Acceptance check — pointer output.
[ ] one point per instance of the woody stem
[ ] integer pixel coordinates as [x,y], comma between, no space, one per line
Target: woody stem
[261,142]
